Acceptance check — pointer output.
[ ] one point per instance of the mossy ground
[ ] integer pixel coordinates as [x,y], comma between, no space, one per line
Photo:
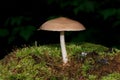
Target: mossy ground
[45,63]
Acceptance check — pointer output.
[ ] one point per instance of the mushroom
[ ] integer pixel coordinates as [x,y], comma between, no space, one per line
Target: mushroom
[62,24]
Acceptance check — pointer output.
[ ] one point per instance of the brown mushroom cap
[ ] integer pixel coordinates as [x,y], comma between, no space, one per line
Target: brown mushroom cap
[62,24]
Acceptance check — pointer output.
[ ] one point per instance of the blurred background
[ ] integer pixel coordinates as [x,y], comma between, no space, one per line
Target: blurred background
[19,22]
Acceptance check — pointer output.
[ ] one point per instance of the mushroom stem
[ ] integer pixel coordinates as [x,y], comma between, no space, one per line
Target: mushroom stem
[63,48]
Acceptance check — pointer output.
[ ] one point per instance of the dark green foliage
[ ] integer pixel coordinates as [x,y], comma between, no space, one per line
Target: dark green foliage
[3,32]
[27,31]
[97,16]
[106,9]
[18,28]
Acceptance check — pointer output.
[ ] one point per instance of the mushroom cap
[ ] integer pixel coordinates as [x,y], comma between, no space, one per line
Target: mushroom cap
[62,24]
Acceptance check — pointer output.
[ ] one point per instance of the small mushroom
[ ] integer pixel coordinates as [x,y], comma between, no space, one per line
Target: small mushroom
[62,24]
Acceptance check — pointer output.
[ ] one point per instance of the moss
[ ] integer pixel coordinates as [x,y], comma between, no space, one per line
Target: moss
[112,76]
[45,62]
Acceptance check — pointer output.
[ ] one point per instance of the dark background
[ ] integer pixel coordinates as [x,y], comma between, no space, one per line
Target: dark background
[19,22]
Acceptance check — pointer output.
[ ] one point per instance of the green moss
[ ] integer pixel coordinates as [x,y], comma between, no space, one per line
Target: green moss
[113,76]
[92,77]
[45,63]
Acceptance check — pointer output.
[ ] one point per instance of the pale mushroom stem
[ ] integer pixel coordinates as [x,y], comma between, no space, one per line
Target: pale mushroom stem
[63,48]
